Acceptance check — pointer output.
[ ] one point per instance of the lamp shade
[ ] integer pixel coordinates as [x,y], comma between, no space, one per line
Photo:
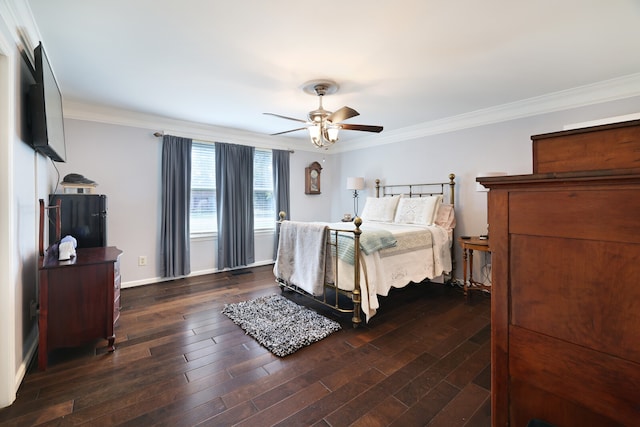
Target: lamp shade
[355,183]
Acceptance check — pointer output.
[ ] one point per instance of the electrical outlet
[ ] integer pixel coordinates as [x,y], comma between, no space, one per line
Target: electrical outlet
[142,261]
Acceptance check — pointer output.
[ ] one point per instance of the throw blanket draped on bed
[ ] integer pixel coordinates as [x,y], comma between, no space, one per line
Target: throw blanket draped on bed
[370,242]
[302,255]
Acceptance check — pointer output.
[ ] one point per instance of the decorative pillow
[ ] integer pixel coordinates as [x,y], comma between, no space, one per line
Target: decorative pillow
[445,217]
[417,210]
[380,209]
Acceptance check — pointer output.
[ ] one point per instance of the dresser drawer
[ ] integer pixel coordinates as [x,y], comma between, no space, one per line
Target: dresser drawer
[569,289]
[606,215]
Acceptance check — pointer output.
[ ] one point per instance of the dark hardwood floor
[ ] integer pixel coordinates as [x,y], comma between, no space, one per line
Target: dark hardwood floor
[423,360]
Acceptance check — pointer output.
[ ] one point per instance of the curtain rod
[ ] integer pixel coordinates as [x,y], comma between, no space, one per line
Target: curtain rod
[159,134]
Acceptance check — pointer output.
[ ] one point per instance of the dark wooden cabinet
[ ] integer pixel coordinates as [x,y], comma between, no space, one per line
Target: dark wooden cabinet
[79,300]
[566,256]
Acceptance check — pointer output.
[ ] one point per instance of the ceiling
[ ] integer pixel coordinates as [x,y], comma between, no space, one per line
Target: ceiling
[400,63]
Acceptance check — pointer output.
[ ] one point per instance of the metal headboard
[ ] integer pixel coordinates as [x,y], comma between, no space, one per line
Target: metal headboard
[419,190]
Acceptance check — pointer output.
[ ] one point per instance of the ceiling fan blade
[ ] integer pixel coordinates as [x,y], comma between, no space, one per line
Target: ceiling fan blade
[365,128]
[287,131]
[285,117]
[343,113]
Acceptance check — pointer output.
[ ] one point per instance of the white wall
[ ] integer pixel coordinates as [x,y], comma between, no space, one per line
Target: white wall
[502,147]
[7,264]
[24,178]
[125,162]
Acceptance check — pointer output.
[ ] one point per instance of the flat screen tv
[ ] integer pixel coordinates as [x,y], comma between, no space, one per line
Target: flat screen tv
[47,126]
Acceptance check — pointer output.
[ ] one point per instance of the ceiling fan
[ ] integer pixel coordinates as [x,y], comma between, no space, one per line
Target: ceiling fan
[324,125]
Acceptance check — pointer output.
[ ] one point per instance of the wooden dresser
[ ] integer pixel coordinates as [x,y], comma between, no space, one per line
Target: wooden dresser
[79,300]
[565,295]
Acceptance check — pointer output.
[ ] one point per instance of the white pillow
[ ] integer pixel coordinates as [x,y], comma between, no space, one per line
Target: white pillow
[417,210]
[380,209]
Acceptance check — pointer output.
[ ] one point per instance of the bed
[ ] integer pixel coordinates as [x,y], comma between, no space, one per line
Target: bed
[404,235]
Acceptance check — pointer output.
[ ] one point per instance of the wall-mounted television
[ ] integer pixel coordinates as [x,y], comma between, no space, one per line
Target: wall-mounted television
[47,125]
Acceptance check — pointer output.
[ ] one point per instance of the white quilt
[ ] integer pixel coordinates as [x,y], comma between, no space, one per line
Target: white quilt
[422,252]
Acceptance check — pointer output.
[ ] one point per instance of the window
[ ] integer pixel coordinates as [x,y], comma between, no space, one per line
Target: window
[263,203]
[203,189]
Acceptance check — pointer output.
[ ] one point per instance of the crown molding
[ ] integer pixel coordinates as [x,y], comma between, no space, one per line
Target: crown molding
[596,93]
[603,121]
[186,129]
[19,19]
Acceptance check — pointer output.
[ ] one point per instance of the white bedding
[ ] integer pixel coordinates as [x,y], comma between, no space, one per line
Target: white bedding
[421,252]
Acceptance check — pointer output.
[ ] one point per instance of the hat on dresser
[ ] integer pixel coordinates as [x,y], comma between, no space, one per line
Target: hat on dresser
[76,178]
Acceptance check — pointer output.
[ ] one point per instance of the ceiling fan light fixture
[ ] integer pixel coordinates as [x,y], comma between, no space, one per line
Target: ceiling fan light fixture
[323,125]
[332,132]
[315,135]
[323,135]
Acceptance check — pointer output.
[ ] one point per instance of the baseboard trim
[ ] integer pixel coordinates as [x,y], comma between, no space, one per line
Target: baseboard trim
[151,280]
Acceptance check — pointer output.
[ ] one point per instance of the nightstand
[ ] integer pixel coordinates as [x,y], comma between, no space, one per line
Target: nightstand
[473,243]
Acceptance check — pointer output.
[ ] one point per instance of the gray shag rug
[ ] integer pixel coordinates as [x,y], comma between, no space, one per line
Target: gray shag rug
[280,325]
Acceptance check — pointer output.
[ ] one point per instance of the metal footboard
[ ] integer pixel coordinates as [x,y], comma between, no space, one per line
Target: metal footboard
[331,292]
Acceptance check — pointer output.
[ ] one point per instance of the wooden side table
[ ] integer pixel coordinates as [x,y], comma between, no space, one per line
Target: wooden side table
[474,243]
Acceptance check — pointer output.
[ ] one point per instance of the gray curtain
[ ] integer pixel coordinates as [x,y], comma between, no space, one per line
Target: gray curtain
[281,193]
[234,201]
[176,196]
